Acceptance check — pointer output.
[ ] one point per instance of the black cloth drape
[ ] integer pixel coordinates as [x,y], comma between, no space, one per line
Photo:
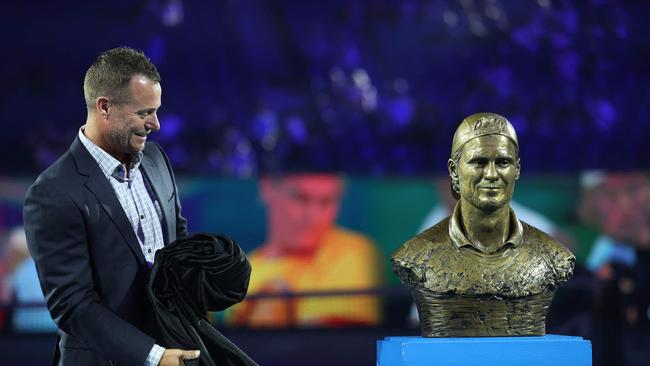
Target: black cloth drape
[193,275]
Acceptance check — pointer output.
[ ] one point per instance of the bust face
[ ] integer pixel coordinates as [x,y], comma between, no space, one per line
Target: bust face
[487,170]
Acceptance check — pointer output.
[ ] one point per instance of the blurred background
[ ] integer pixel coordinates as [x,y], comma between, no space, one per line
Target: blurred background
[327,126]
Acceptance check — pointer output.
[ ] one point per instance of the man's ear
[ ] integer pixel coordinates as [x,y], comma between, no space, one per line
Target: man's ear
[102,106]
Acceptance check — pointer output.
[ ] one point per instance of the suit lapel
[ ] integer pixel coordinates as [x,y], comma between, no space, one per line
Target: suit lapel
[157,185]
[103,191]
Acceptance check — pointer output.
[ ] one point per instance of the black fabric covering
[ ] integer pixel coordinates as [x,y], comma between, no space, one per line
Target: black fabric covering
[193,275]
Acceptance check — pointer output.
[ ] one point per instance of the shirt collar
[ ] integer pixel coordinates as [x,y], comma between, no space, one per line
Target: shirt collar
[459,239]
[110,166]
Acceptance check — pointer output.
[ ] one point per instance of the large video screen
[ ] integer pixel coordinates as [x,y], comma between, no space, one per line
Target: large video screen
[320,243]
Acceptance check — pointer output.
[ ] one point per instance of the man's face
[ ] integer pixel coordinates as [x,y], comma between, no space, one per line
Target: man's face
[487,170]
[132,121]
[301,209]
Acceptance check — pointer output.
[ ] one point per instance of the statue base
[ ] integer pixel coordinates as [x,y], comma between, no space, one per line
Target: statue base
[548,350]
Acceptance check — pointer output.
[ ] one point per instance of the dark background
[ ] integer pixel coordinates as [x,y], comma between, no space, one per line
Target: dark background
[373,89]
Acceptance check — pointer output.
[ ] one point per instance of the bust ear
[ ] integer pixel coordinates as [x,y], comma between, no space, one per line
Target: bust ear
[453,169]
[453,174]
[454,181]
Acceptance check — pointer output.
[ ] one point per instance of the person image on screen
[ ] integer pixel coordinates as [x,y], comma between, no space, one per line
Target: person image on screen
[306,251]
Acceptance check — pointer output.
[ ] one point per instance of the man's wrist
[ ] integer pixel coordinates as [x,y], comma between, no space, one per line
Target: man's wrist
[154,356]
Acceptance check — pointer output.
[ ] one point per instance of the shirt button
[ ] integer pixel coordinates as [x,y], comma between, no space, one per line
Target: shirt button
[149,251]
[142,216]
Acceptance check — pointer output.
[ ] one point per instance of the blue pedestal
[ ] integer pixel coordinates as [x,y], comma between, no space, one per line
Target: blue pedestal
[548,350]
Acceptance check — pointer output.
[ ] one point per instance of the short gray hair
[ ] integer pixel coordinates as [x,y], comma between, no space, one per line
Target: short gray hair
[110,74]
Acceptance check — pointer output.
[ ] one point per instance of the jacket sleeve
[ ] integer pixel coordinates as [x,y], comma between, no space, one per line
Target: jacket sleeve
[56,237]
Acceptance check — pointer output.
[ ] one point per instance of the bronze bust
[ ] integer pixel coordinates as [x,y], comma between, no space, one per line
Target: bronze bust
[481,271]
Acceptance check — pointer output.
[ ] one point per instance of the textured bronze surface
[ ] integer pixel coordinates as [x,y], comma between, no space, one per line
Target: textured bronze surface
[477,316]
[481,271]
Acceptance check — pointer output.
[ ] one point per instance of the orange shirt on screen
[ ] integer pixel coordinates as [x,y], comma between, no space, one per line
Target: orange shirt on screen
[343,261]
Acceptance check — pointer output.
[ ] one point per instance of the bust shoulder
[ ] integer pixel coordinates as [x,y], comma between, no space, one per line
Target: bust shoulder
[558,258]
[411,260]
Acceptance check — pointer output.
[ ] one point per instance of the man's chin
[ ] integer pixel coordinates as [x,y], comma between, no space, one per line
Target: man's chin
[491,205]
[136,148]
[138,141]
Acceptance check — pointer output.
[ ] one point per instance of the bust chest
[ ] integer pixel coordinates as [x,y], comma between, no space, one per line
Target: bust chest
[510,272]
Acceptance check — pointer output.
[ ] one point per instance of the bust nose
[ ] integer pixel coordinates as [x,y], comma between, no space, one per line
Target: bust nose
[491,171]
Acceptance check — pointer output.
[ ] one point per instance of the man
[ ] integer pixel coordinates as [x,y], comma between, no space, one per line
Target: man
[304,252]
[481,271]
[95,219]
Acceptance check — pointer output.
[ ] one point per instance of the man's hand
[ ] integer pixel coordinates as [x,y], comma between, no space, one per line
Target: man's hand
[175,357]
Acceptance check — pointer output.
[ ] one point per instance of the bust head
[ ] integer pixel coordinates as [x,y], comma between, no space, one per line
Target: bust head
[484,161]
